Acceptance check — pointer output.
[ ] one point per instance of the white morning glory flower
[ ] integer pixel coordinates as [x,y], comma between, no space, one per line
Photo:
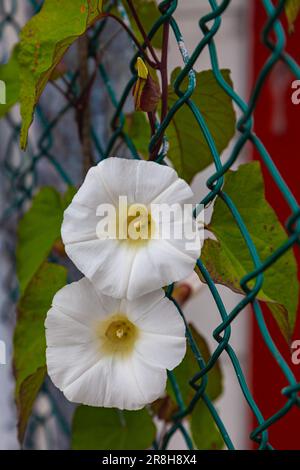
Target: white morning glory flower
[150,250]
[107,352]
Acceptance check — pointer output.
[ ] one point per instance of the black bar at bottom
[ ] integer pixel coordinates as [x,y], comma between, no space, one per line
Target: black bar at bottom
[135,459]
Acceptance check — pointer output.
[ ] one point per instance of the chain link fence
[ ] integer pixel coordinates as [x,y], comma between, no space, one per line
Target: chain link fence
[22,172]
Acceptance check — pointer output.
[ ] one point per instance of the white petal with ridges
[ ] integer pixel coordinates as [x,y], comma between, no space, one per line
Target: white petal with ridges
[164,263]
[81,296]
[129,384]
[120,268]
[87,373]
[153,179]
[161,350]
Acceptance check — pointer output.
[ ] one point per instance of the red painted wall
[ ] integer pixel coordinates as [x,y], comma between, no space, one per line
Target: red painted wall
[277,122]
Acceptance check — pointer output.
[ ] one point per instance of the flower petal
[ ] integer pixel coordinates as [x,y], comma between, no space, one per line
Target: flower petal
[178,191]
[110,270]
[86,373]
[163,318]
[120,175]
[158,264]
[79,224]
[153,179]
[139,306]
[62,328]
[116,267]
[142,181]
[94,189]
[83,303]
[67,363]
[162,340]
[161,350]
[128,384]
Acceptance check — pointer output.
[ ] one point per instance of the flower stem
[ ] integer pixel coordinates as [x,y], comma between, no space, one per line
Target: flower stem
[134,39]
[142,31]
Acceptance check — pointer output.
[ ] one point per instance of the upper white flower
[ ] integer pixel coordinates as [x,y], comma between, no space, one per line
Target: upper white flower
[134,266]
[107,352]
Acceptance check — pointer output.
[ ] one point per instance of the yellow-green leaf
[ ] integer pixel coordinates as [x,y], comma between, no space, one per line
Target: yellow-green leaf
[228,260]
[44,41]
[38,230]
[292,9]
[204,431]
[29,338]
[9,74]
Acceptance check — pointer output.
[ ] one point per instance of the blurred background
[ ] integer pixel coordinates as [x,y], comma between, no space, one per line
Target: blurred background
[239,50]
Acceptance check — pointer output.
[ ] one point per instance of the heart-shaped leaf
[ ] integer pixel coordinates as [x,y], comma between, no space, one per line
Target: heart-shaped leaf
[204,431]
[38,230]
[189,151]
[44,41]
[29,338]
[228,260]
[9,74]
[110,429]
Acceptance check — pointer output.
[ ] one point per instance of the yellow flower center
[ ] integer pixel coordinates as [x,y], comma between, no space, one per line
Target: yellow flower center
[117,335]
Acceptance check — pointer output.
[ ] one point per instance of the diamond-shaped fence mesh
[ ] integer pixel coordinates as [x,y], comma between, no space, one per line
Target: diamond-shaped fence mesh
[21,175]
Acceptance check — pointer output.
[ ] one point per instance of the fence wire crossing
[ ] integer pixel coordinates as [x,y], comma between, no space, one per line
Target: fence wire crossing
[22,179]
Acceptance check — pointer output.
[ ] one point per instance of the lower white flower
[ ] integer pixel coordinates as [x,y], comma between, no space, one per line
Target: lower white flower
[109,352]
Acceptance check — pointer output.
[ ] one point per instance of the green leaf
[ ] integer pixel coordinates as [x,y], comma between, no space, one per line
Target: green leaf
[189,367]
[44,41]
[226,270]
[38,230]
[26,396]
[228,260]
[204,431]
[9,74]
[29,338]
[138,129]
[292,9]
[189,151]
[110,429]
